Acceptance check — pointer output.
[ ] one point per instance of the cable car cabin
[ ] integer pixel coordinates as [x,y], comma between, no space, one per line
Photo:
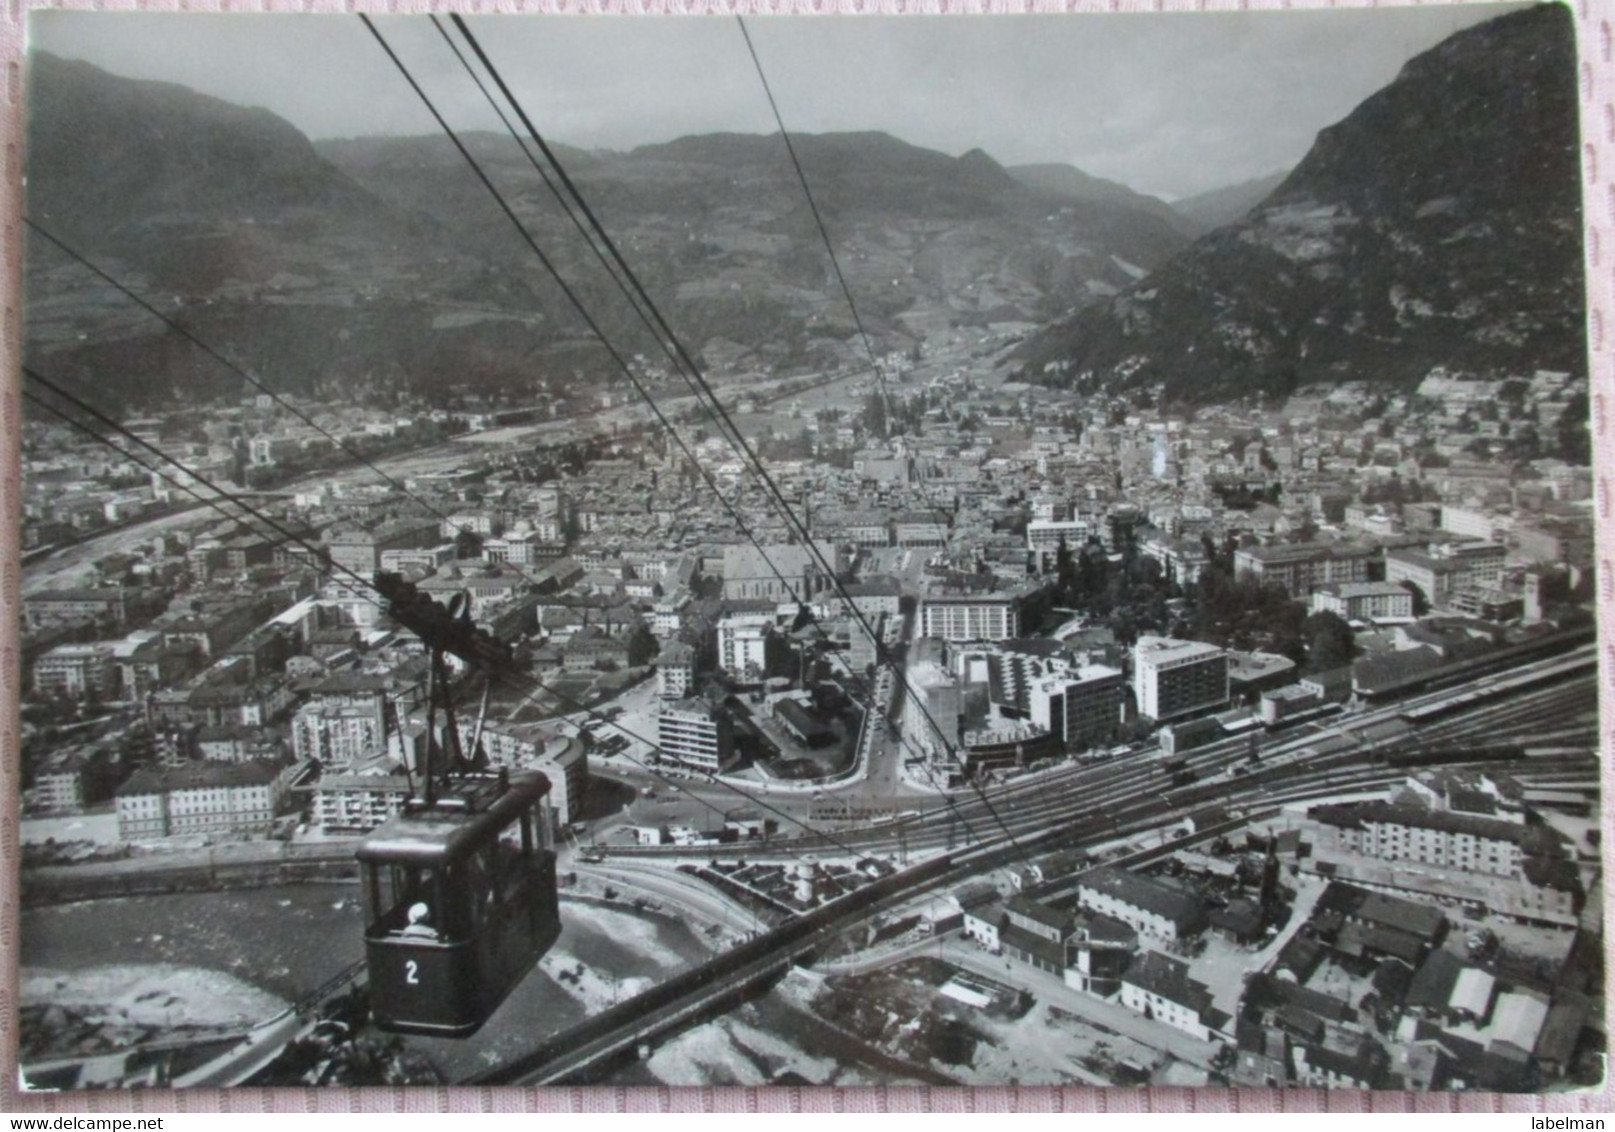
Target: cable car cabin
[460,902]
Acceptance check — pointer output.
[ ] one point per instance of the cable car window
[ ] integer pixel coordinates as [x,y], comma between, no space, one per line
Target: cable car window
[410,900]
[475,880]
[513,863]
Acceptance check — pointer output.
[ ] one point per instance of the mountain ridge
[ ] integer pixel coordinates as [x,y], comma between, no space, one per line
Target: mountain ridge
[1438,224]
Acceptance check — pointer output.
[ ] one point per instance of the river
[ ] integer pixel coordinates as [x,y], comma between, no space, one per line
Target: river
[290,940]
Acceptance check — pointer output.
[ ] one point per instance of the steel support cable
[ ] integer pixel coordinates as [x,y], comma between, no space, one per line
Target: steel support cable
[738,440]
[256,382]
[824,232]
[594,325]
[648,320]
[560,281]
[321,553]
[813,207]
[367,584]
[121,430]
[69,419]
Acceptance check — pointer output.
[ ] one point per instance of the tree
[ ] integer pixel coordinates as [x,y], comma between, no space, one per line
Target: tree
[1421,602]
[467,543]
[875,413]
[1330,641]
[1575,445]
[642,647]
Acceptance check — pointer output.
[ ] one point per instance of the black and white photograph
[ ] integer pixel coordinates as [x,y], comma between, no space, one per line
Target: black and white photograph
[739,550]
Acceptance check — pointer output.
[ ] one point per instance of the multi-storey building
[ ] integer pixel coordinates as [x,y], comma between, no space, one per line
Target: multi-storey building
[1082,706]
[1445,570]
[875,597]
[528,746]
[1043,538]
[1035,933]
[77,671]
[931,709]
[1142,903]
[1471,524]
[781,572]
[1443,838]
[675,671]
[743,644]
[862,528]
[1364,601]
[200,798]
[667,615]
[420,557]
[1304,567]
[59,785]
[1173,679]
[344,719]
[987,617]
[359,549]
[360,801]
[483,524]
[565,762]
[1158,986]
[55,607]
[926,529]
[1181,559]
[695,734]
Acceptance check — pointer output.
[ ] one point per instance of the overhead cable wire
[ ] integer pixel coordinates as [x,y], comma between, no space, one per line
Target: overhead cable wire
[321,553]
[813,206]
[68,419]
[715,404]
[256,382]
[584,313]
[224,496]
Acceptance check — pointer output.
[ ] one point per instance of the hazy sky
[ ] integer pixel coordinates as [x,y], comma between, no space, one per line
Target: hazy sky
[1171,104]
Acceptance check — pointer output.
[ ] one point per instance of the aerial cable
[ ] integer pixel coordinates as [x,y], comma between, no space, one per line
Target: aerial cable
[738,440]
[818,218]
[555,274]
[718,412]
[594,326]
[69,419]
[366,584]
[256,382]
[682,355]
[321,553]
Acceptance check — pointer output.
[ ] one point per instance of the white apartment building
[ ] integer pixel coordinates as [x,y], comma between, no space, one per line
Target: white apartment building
[675,671]
[985,618]
[690,732]
[77,671]
[1365,601]
[1159,987]
[199,798]
[742,644]
[358,803]
[935,729]
[1172,679]
[1081,707]
[1043,537]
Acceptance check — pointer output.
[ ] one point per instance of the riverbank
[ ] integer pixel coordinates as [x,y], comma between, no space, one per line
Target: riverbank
[86,1012]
